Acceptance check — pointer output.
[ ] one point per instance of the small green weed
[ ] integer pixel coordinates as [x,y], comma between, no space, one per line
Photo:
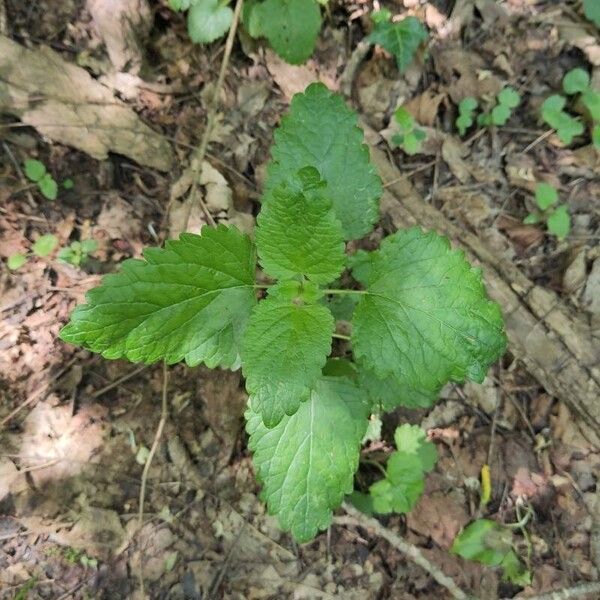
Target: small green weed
[410,139]
[555,215]
[466,114]
[506,101]
[77,253]
[577,81]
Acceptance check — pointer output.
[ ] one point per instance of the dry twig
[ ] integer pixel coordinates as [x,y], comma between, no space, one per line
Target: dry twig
[579,591]
[409,550]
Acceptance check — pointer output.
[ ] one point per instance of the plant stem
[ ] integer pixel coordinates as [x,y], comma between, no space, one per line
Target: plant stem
[340,292]
[260,286]
[340,336]
[198,158]
[408,549]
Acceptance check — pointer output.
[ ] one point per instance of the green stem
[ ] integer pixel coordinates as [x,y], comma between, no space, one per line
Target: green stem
[340,336]
[345,292]
[258,286]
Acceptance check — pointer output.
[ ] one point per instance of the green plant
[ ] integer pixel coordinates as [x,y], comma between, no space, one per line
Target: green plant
[577,81]
[37,172]
[410,137]
[553,113]
[422,317]
[466,112]
[506,100]
[77,253]
[591,9]
[399,39]
[290,26]
[491,544]
[42,247]
[556,216]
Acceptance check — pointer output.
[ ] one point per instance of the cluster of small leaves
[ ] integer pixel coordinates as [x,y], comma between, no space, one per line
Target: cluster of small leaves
[36,172]
[466,114]
[75,254]
[422,319]
[506,101]
[405,471]
[290,26]
[591,9]
[410,138]
[555,215]
[577,81]
[401,39]
[491,544]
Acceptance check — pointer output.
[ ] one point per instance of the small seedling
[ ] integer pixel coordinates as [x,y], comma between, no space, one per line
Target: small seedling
[553,113]
[36,171]
[466,114]
[577,81]
[410,138]
[556,216]
[77,253]
[401,39]
[422,316]
[506,100]
[492,544]
[42,247]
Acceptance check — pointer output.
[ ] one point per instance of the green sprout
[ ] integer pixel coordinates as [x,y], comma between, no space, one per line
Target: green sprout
[410,138]
[556,216]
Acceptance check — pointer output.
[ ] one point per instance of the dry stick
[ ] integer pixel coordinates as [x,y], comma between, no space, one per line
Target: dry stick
[198,158]
[537,140]
[164,413]
[568,593]
[406,548]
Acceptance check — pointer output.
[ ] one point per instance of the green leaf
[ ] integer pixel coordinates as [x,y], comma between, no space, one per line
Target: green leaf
[575,81]
[34,169]
[591,9]
[44,245]
[426,318]
[16,261]
[559,222]
[390,392]
[412,143]
[191,300]
[400,39]
[514,570]
[285,348]
[89,246]
[411,439]
[500,114]
[321,132]
[467,105]
[531,219]
[545,195]
[298,232]
[567,127]
[291,26]
[596,135]
[483,540]
[591,100]
[68,184]
[208,20]
[404,119]
[180,5]
[48,186]
[307,463]
[509,97]
[402,487]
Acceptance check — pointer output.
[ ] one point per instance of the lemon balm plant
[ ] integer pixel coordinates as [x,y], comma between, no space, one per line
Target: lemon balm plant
[421,316]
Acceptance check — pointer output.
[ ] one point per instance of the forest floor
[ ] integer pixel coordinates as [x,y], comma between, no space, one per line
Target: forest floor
[76,429]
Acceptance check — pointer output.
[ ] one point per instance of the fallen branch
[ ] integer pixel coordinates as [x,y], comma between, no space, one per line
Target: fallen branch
[409,550]
[575,592]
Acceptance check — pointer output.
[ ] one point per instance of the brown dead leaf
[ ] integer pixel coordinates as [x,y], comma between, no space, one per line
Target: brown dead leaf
[523,237]
[453,152]
[527,484]
[291,79]
[12,481]
[118,219]
[425,106]
[472,206]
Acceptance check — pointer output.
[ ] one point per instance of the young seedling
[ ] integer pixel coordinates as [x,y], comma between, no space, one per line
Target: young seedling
[466,113]
[400,39]
[77,253]
[556,216]
[506,100]
[42,247]
[577,81]
[36,172]
[410,138]
[422,317]
[566,126]
[492,544]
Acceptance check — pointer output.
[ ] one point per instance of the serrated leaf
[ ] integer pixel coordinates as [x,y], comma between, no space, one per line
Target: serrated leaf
[320,131]
[400,39]
[285,348]
[307,463]
[559,222]
[299,234]
[44,245]
[34,169]
[425,318]
[291,26]
[575,81]
[189,301]
[545,195]
[208,20]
